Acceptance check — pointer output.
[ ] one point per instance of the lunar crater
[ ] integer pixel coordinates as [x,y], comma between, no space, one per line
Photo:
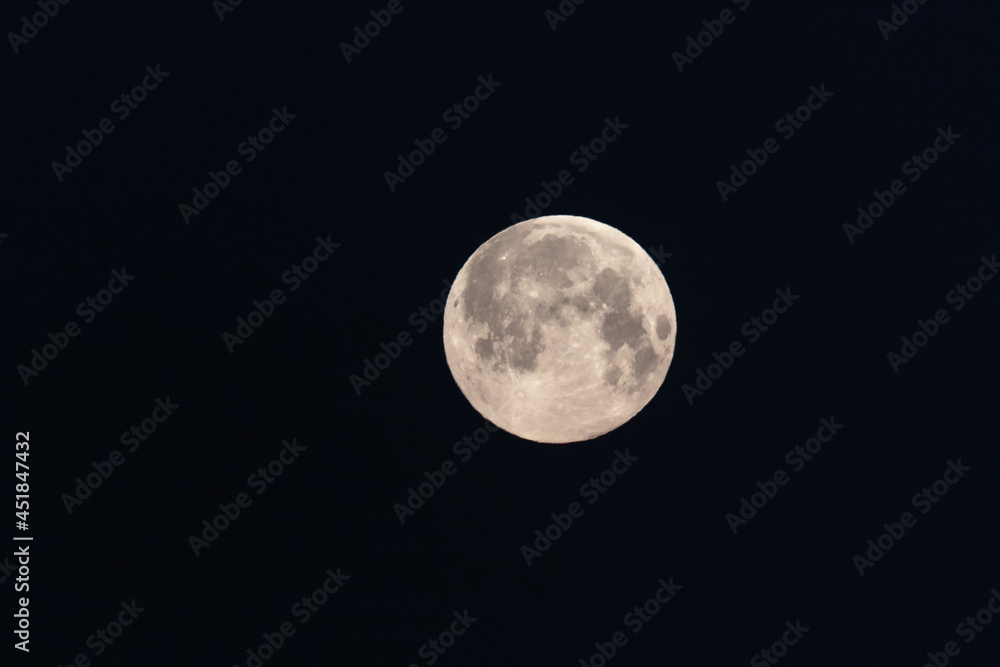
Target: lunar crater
[559,329]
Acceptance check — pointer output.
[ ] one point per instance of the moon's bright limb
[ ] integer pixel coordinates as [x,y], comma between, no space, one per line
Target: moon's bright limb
[559,329]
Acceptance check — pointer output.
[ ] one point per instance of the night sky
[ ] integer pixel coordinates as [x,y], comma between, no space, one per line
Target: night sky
[216,213]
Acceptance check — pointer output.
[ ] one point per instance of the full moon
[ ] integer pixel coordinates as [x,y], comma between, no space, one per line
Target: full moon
[559,329]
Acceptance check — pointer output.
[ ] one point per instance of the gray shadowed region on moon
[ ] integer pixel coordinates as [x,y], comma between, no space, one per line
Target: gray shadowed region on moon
[559,329]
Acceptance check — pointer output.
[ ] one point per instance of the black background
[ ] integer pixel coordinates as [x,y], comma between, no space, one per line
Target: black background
[323,176]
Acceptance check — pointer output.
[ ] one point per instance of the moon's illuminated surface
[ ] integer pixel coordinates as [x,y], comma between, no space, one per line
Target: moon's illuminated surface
[559,329]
